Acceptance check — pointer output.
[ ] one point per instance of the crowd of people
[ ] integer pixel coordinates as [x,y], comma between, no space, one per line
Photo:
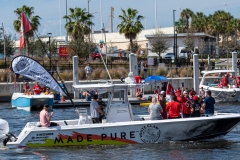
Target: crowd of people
[224,83]
[185,103]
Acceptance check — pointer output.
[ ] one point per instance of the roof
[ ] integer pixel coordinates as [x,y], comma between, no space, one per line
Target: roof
[200,34]
[217,71]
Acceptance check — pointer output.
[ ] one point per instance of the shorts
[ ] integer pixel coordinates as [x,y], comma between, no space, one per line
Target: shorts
[88,74]
[53,124]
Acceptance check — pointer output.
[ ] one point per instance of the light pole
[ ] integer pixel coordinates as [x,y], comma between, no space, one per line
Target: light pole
[155,14]
[101,15]
[50,55]
[225,4]
[174,38]
[66,23]
[145,18]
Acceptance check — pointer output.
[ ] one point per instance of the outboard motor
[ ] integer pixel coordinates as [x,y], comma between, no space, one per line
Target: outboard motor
[10,138]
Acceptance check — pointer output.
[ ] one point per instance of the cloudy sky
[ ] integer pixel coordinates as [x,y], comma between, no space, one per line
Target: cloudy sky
[51,11]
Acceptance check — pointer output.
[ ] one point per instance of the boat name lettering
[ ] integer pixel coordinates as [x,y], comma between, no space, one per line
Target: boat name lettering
[88,137]
[44,134]
[149,133]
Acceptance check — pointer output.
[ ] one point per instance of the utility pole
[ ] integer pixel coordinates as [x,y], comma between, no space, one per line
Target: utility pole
[66,23]
[155,14]
[4,43]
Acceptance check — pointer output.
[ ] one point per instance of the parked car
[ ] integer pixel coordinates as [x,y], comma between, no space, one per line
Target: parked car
[97,56]
[169,56]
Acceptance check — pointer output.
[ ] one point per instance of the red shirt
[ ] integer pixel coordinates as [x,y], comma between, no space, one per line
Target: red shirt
[174,109]
[178,92]
[37,89]
[225,82]
[192,93]
[186,108]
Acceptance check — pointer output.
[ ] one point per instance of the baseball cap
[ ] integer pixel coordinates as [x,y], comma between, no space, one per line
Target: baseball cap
[162,92]
[195,98]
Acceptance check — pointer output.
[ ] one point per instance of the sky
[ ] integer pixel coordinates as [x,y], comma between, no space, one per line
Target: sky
[52,11]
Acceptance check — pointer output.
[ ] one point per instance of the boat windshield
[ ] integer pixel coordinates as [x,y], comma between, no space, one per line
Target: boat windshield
[213,80]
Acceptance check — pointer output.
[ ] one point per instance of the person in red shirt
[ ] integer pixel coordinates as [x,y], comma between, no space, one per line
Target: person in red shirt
[192,92]
[174,108]
[186,105]
[26,88]
[238,82]
[37,89]
[157,91]
[178,92]
[225,81]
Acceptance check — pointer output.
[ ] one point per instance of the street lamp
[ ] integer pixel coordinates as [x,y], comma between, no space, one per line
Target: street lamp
[50,55]
[225,4]
[145,18]
[174,36]
[155,14]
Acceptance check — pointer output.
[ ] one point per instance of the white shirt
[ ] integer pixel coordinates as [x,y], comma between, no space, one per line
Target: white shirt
[88,69]
[93,109]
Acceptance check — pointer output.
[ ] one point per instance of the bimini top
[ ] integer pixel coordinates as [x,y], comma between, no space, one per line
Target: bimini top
[93,86]
[218,71]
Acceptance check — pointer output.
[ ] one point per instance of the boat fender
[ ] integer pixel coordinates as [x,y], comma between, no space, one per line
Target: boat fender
[10,138]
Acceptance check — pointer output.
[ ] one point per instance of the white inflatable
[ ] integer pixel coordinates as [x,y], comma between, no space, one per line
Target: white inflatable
[4,128]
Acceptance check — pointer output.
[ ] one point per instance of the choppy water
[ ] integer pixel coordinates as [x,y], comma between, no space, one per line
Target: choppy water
[227,147]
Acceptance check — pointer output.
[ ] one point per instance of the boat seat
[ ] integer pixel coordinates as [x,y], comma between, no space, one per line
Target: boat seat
[83,116]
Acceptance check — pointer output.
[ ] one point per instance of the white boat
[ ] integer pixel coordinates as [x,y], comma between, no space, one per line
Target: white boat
[121,126]
[230,93]
[31,102]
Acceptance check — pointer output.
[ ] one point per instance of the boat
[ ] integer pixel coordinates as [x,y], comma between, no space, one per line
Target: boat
[209,82]
[121,126]
[31,102]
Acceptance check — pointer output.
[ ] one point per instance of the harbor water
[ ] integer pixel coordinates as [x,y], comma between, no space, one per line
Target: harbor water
[226,147]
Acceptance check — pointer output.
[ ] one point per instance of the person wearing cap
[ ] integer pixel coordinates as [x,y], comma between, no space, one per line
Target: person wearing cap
[225,81]
[202,92]
[155,110]
[162,100]
[195,107]
[45,117]
[174,108]
[192,92]
[95,110]
[208,104]
[48,92]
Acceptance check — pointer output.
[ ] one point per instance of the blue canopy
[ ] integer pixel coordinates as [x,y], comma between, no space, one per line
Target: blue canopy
[154,79]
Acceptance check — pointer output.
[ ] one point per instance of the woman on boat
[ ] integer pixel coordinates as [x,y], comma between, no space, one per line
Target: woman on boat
[163,101]
[195,107]
[26,87]
[155,110]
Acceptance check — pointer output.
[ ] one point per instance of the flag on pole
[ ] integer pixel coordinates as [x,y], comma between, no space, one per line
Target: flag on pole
[170,90]
[25,27]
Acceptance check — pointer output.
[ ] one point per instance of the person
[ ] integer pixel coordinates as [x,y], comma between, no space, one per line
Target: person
[174,108]
[225,81]
[238,65]
[234,82]
[238,82]
[162,100]
[62,99]
[139,68]
[45,117]
[86,95]
[178,92]
[37,89]
[155,110]
[48,92]
[186,105]
[145,69]
[208,104]
[95,110]
[26,87]
[139,95]
[102,107]
[196,107]
[192,92]
[88,70]
[202,92]
[164,86]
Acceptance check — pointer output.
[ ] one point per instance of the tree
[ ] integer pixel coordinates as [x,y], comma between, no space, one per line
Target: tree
[200,22]
[34,20]
[181,25]
[187,14]
[78,27]
[130,25]
[189,41]
[160,42]
[201,47]
[135,47]
[9,44]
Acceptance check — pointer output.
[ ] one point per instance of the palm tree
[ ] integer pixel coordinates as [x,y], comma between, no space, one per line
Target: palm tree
[200,22]
[34,20]
[181,25]
[79,23]
[130,25]
[187,14]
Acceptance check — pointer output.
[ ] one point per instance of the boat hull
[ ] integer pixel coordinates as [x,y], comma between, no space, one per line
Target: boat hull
[127,132]
[30,103]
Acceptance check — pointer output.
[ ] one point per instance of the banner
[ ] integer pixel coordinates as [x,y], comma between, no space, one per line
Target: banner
[170,90]
[31,69]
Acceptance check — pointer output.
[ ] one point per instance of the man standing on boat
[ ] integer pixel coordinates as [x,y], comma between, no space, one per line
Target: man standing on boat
[95,110]
[208,104]
[174,108]
[88,70]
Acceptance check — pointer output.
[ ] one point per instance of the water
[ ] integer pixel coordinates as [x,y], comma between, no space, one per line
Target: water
[227,147]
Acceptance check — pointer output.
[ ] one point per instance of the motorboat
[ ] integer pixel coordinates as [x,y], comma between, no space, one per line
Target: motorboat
[31,102]
[121,126]
[210,82]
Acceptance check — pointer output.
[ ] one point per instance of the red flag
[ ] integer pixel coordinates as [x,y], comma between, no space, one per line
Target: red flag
[25,27]
[170,89]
